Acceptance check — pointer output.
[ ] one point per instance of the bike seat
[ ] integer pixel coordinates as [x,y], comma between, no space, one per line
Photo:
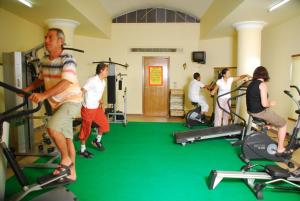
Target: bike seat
[277,172]
[194,104]
[258,121]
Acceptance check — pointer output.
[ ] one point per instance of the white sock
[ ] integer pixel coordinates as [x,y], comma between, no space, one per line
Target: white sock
[99,138]
[82,147]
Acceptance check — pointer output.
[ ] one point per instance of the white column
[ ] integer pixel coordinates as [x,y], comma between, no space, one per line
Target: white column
[68,26]
[249,52]
[249,45]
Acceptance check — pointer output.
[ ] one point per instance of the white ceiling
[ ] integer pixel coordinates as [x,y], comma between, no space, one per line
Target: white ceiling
[246,10]
[195,8]
[256,10]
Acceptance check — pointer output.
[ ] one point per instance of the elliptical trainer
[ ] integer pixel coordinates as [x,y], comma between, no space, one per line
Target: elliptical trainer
[258,145]
[58,192]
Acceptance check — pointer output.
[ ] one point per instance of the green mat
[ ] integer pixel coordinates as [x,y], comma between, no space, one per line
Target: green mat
[142,163]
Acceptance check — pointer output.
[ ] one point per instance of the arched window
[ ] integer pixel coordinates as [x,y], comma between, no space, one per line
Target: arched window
[155,15]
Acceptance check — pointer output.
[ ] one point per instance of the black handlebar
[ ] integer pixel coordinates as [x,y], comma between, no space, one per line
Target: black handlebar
[288,93]
[74,49]
[293,86]
[291,96]
[14,89]
[9,114]
[111,62]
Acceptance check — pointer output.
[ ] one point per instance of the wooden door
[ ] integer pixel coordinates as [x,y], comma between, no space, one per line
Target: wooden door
[156,86]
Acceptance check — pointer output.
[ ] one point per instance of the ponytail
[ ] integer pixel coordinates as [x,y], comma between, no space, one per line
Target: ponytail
[222,73]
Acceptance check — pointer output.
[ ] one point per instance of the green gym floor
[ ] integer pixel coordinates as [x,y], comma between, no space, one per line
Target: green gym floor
[142,163]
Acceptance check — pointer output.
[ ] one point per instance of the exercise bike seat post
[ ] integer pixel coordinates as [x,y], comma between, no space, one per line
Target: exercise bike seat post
[259,122]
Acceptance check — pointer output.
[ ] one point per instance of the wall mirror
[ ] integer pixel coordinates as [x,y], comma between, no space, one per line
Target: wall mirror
[295,80]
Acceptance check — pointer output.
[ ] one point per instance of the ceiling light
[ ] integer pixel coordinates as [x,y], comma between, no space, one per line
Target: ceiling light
[26,2]
[277,5]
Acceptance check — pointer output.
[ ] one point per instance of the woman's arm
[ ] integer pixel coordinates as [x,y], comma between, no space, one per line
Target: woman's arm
[214,90]
[240,77]
[264,96]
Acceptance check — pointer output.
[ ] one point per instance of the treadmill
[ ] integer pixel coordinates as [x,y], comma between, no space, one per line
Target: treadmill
[235,129]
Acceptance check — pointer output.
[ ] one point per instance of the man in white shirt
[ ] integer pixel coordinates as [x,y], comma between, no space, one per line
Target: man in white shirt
[92,110]
[195,94]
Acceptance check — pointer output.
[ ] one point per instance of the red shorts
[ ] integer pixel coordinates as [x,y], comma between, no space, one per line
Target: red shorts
[88,117]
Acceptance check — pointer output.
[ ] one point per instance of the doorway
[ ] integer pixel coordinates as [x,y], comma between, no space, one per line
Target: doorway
[156,86]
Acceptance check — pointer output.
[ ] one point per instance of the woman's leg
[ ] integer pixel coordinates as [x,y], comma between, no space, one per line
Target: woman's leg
[281,137]
[274,119]
[218,116]
[226,116]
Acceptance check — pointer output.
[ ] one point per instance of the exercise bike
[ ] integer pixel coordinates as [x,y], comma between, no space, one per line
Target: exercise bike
[49,181]
[258,145]
[194,116]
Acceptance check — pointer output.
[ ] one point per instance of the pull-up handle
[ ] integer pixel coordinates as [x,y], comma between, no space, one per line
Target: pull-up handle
[73,49]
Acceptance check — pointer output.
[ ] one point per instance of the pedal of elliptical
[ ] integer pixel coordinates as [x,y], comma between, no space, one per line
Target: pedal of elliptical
[277,172]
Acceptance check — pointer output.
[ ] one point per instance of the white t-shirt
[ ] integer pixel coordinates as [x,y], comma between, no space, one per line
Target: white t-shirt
[194,89]
[224,87]
[94,87]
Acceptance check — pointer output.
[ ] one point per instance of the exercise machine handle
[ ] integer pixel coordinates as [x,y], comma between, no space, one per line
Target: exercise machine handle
[294,86]
[291,96]
[73,49]
[7,115]
[288,93]
[14,89]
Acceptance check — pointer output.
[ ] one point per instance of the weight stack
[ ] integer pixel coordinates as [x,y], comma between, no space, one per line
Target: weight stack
[111,89]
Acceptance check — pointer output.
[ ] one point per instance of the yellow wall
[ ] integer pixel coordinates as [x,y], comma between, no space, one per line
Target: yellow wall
[1,91]
[23,35]
[16,34]
[278,44]
[217,11]
[125,36]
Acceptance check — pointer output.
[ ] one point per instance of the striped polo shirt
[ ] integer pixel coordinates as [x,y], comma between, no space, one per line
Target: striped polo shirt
[61,68]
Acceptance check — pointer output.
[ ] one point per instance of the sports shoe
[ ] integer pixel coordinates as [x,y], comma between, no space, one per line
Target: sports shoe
[98,145]
[86,154]
[296,173]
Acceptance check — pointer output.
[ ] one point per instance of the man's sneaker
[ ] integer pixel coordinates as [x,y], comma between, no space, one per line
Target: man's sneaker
[86,154]
[98,145]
